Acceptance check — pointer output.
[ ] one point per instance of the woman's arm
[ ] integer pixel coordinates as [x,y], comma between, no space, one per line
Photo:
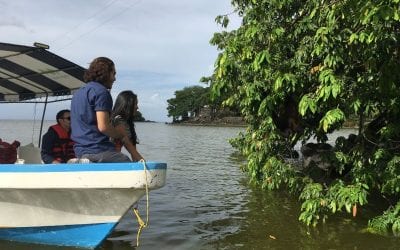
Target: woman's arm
[105,127]
[136,156]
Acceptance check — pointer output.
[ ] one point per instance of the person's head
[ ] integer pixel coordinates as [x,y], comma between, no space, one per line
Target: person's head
[125,105]
[63,118]
[101,70]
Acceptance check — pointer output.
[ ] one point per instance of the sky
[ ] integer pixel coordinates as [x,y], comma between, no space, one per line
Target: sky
[158,46]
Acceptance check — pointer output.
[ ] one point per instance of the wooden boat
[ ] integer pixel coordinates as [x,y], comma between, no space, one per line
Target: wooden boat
[75,204]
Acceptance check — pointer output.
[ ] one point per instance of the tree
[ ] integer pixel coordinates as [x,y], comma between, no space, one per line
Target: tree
[188,100]
[298,69]
[138,117]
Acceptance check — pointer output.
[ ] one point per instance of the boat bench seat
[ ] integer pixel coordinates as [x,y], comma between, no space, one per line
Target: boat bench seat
[29,154]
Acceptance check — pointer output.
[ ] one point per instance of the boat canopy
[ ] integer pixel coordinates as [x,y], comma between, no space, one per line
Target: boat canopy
[32,74]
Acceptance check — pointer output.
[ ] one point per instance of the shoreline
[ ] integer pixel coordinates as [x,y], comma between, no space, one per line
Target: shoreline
[206,124]
[243,125]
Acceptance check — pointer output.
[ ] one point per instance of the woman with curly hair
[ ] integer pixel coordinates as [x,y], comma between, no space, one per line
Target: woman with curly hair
[123,113]
[91,106]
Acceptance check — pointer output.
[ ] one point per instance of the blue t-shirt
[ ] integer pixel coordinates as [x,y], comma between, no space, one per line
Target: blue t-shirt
[86,101]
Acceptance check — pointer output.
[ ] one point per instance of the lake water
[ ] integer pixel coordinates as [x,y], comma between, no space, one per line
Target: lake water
[207,202]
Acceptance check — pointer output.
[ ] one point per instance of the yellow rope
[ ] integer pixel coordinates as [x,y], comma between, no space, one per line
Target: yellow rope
[142,224]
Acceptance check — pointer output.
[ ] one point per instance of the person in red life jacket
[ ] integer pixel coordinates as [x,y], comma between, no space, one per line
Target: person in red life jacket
[57,146]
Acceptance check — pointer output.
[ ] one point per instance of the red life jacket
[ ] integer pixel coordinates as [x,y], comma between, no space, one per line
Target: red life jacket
[63,147]
[8,152]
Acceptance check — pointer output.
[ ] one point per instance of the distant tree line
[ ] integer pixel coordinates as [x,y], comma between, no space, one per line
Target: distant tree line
[189,101]
[138,117]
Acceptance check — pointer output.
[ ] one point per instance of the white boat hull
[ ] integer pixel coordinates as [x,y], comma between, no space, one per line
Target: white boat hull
[35,208]
[72,196]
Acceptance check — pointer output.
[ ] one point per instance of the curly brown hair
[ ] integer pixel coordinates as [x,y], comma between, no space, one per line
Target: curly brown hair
[99,70]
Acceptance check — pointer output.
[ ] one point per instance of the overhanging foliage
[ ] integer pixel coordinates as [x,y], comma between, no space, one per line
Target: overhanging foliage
[299,69]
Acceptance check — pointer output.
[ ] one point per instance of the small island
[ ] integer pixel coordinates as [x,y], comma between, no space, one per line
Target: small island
[195,106]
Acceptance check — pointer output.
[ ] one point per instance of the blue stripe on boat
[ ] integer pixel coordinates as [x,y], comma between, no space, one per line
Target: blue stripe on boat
[80,167]
[85,236]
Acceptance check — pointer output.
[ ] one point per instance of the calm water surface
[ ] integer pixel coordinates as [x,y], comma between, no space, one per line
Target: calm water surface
[207,202]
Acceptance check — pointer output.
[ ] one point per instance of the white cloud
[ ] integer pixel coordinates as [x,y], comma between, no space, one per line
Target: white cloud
[158,46]
[155,97]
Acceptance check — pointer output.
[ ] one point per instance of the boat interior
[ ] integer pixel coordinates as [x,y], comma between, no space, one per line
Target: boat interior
[29,154]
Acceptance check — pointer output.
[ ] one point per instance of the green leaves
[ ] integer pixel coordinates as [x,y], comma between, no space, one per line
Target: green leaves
[347,196]
[323,61]
[307,103]
[261,57]
[317,201]
[223,20]
[392,177]
[189,99]
[332,118]
[222,65]
[276,174]
[390,220]
[314,203]
[287,81]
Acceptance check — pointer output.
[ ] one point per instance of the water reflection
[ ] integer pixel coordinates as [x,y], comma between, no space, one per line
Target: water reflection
[204,185]
[270,221]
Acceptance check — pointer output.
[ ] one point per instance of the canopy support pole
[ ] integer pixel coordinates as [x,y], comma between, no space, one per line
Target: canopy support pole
[41,123]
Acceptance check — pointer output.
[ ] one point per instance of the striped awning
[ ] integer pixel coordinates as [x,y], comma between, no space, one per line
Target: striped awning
[28,73]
